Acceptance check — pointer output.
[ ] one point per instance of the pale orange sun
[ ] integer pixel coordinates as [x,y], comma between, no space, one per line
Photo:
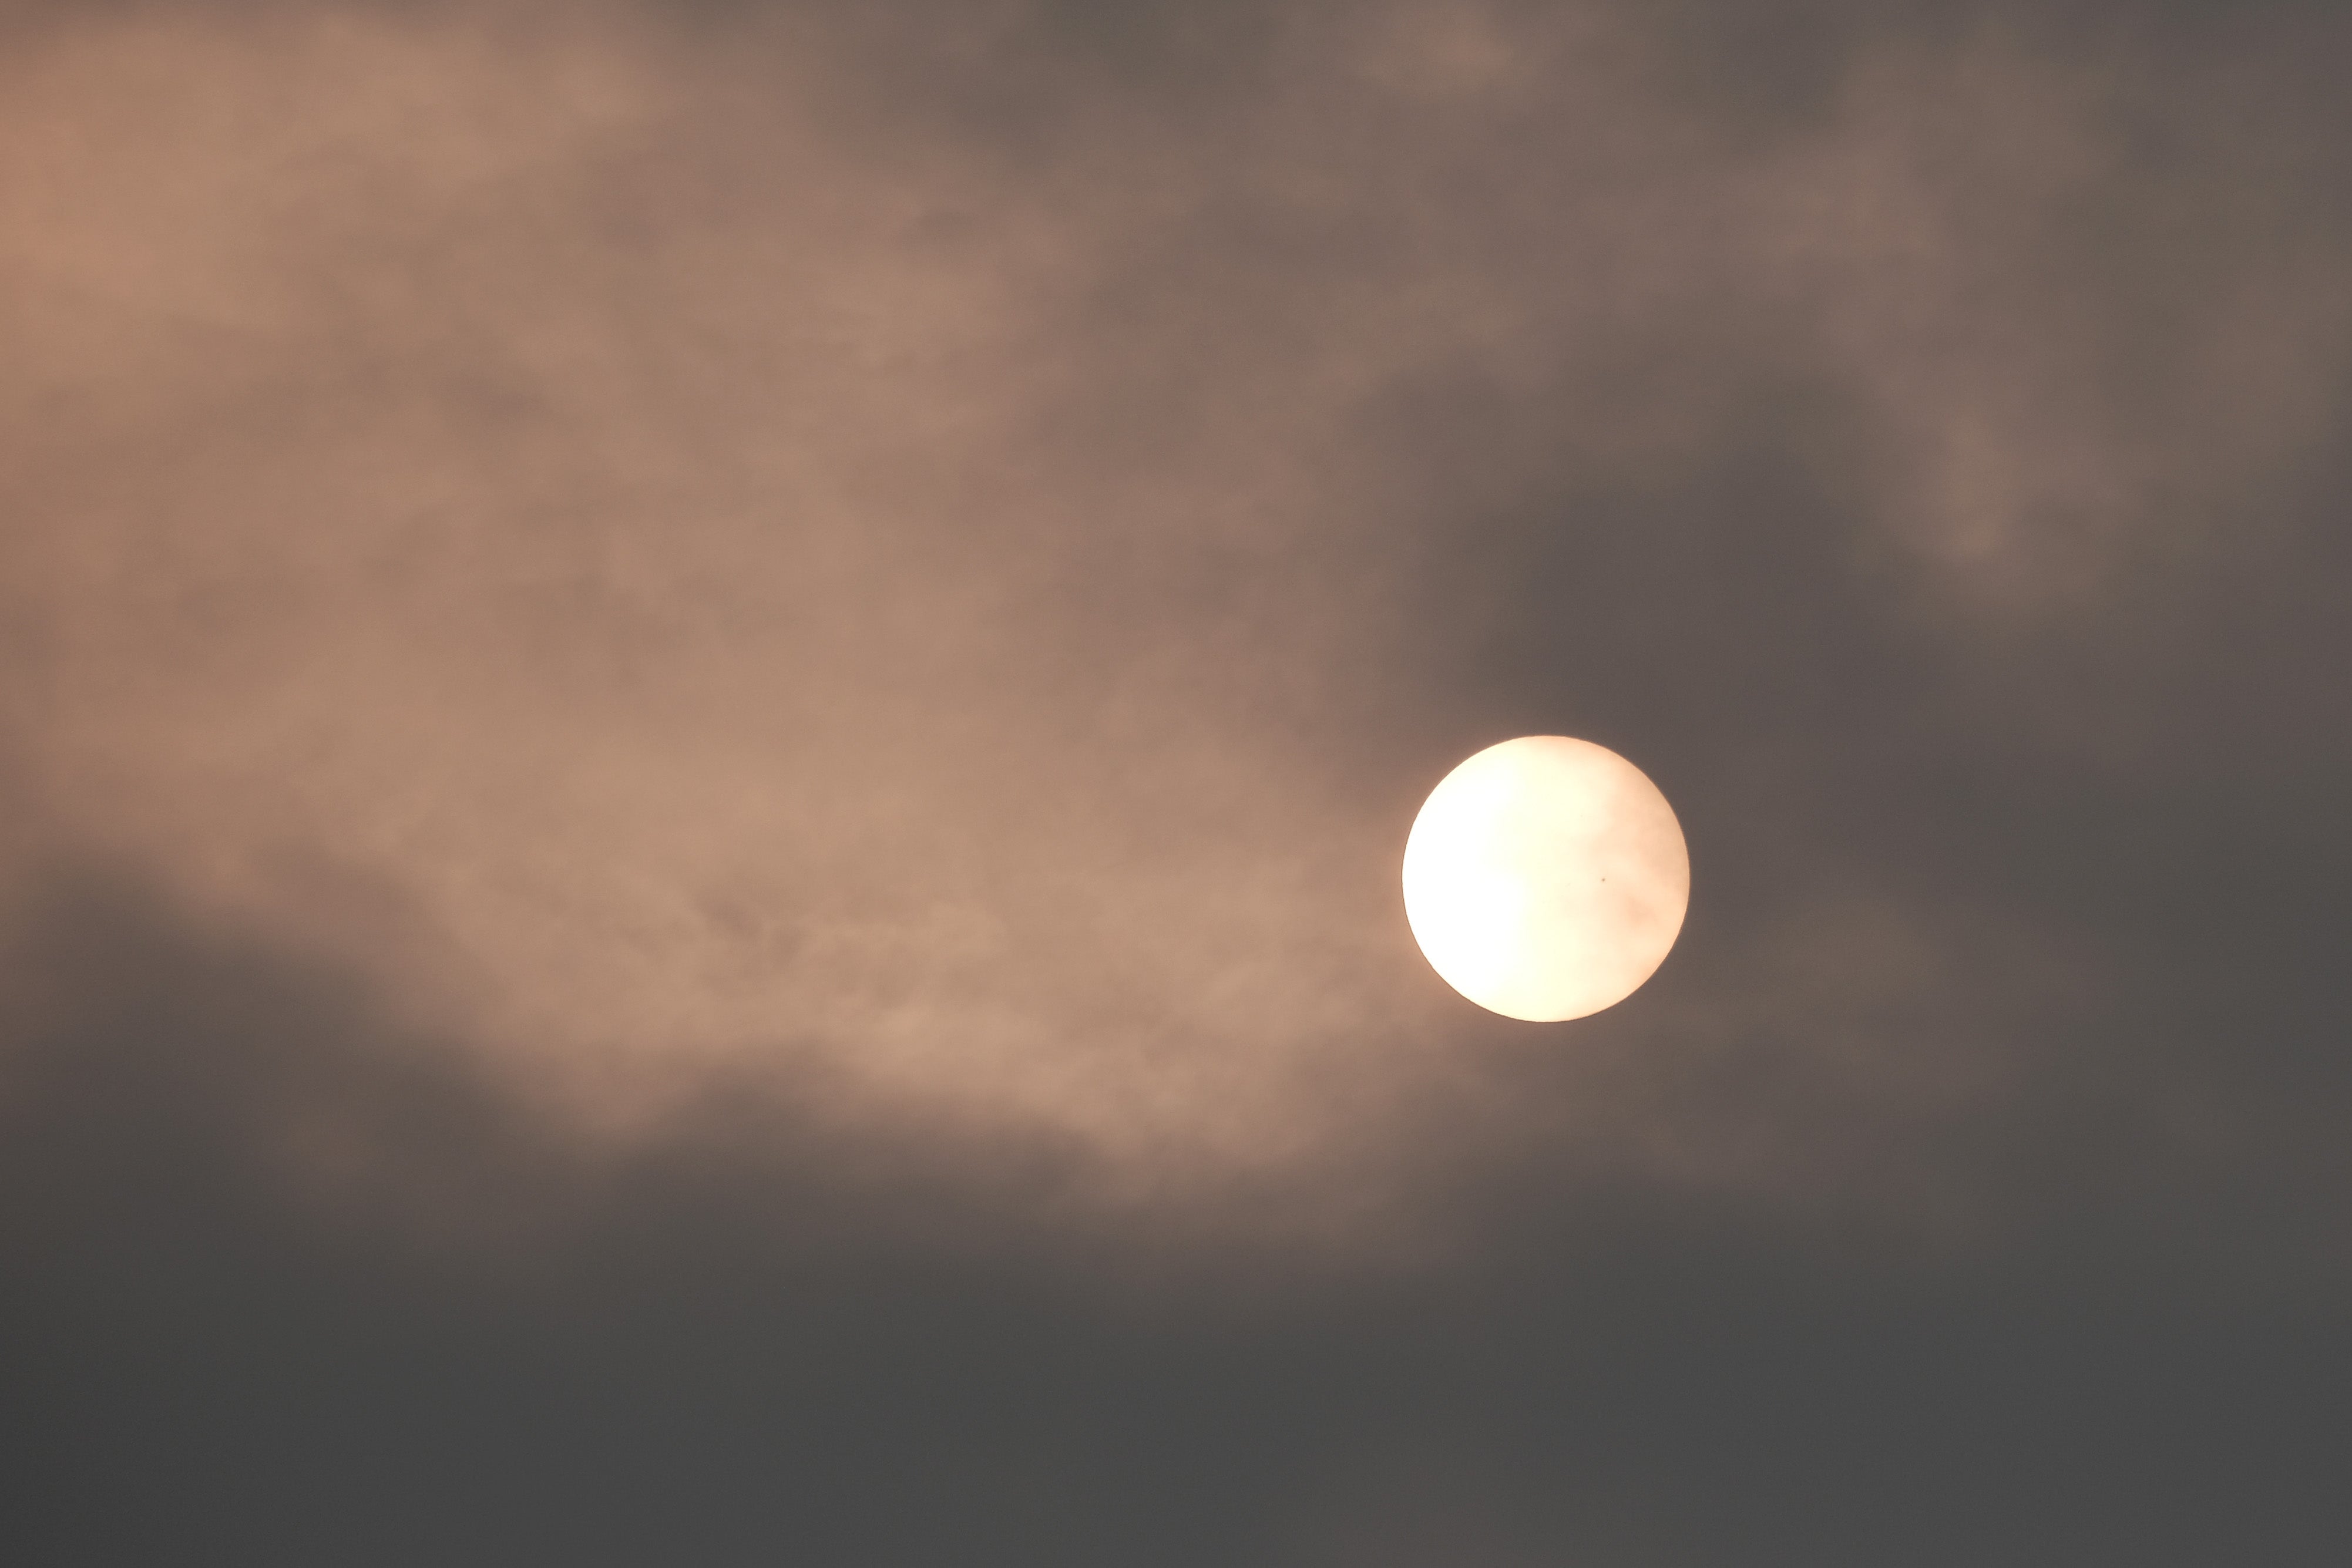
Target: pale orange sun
[1546,878]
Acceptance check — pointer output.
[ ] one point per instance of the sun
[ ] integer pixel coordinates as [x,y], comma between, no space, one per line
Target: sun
[1546,878]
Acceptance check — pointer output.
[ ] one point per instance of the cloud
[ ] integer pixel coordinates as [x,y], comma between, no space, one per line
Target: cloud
[284,1267]
[705,713]
[923,562]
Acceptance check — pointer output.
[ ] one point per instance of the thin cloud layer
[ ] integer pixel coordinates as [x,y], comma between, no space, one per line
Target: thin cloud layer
[928,559]
[707,713]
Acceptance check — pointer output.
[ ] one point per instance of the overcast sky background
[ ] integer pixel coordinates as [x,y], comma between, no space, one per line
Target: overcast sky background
[706,712]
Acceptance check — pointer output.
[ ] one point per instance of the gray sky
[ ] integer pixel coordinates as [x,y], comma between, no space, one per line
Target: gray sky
[707,711]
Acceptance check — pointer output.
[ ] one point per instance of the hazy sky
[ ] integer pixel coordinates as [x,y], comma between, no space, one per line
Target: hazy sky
[706,712]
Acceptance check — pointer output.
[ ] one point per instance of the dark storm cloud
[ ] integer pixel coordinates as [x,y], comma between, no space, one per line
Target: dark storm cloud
[707,712]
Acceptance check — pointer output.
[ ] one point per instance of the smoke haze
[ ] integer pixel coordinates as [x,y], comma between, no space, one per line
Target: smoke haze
[706,712]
